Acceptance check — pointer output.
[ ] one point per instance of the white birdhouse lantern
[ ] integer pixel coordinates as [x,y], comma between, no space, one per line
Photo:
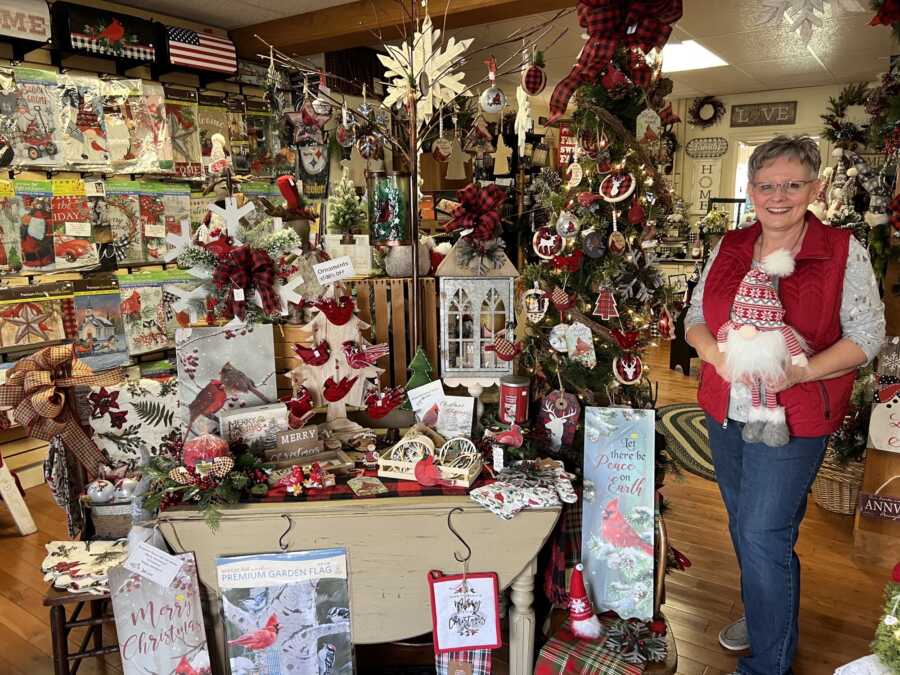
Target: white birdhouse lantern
[476,306]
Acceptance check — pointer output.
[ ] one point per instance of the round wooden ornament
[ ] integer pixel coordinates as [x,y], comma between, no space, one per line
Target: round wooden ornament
[593,245]
[442,150]
[617,187]
[547,243]
[627,368]
[557,337]
[567,225]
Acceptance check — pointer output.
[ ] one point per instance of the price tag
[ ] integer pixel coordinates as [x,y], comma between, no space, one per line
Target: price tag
[459,668]
[153,564]
[497,458]
[333,270]
[94,188]
[238,294]
[155,230]
[78,229]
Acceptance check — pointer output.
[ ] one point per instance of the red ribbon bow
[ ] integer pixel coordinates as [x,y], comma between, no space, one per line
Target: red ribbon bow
[247,269]
[644,24]
[625,339]
[479,210]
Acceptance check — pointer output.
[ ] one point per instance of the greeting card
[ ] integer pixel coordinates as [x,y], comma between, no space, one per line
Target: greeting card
[465,611]
[160,629]
[618,520]
[287,613]
[222,368]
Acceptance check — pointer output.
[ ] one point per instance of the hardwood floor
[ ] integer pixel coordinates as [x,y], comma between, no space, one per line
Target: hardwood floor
[840,601]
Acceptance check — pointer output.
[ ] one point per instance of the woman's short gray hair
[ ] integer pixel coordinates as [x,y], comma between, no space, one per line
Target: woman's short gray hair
[801,148]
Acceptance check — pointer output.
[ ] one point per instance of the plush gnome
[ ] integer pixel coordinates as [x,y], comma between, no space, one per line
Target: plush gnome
[582,619]
[759,346]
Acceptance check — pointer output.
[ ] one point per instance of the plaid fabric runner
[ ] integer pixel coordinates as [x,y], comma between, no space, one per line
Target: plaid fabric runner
[136,52]
[565,653]
[565,553]
[395,488]
[479,658]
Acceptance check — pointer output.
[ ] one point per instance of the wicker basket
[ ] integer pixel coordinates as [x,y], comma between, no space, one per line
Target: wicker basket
[836,487]
[111,521]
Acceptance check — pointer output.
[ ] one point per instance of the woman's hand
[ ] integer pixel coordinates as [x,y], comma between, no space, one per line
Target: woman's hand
[716,359]
[793,375]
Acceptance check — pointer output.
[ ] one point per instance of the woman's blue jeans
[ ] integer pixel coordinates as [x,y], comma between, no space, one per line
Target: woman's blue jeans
[765,490]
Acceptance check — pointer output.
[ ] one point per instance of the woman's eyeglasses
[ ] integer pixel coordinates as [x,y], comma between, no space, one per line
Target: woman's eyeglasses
[791,187]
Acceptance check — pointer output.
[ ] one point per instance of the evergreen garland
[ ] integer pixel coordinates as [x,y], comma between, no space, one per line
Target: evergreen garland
[887,636]
[839,130]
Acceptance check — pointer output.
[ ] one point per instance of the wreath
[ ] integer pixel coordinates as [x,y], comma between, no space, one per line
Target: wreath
[706,111]
[838,129]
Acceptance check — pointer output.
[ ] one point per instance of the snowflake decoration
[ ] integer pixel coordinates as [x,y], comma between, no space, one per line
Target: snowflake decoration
[232,215]
[432,70]
[804,16]
[890,362]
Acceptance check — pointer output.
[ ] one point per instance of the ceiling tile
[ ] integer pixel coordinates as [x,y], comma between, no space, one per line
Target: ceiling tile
[801,67]
[724,80]
[233,13]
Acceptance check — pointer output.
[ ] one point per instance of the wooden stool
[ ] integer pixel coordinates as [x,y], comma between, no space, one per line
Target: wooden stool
[61,625]
[9,490]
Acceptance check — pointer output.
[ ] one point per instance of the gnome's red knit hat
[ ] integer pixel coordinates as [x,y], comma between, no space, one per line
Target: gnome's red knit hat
[757,302]
[581,614]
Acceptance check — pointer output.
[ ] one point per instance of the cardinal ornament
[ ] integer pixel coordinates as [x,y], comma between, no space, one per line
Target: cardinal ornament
[567,225]
[369,145]
[547,243]
[442,150]
[580,345]
[492,99]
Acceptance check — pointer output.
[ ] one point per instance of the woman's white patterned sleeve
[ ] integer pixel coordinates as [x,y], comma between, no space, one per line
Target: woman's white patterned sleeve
[694,315]
[862,311]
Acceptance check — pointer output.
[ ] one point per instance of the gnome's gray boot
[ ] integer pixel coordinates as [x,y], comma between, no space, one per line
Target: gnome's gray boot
[775,433]
[753,429]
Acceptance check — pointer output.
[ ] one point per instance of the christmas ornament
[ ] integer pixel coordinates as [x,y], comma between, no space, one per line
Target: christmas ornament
[456,167]
[605,307]
[441,148]
[199,452]
[535,303]
[592,244]
[345,134]
[314,356]
[568,263]
[126,488]
[636,213]
[369,145]
[501,156]
[338,312]
[432,75]
[523,119]
[547,243]
[617,243]
[583,621]
[380,403]
[580,345]
[665,324]
[559,415]
[334,391]
[361,355]
[503,345]
[574,175]
[617,187]
[492,99]
[300,407]
[562,300]
[100,491]
[567,224]
[557,337]
[648,128]
[627,367]
[534,78]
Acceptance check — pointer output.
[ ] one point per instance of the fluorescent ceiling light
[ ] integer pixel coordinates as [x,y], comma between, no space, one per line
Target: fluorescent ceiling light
[688,55]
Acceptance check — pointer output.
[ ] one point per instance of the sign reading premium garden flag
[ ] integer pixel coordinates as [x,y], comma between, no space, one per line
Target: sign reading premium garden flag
[707,173]
[763,114]
[619,510]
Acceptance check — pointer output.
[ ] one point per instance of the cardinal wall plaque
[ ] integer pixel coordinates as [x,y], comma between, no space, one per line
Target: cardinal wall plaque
[618,516]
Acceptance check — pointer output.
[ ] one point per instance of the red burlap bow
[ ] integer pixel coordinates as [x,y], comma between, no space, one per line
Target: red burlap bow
[479,211]
[34,391]
[644,24]
[888,14]
[248,269]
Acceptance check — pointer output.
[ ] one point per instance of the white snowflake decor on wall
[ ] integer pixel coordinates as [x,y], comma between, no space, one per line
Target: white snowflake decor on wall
[433,70]
[804,16]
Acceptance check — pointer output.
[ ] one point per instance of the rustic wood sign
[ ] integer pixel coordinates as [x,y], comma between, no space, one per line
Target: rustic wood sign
[706,148]
[764,114]
[878,506]
[295,446]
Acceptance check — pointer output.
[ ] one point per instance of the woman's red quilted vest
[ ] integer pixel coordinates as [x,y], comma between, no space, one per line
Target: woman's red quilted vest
[811,297]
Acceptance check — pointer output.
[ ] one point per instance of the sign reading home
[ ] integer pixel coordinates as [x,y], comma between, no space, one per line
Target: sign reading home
[878,506]
[25,20]
[764,114]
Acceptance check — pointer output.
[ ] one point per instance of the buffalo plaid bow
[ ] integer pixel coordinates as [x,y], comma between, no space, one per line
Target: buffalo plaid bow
[479,211]
[644,24]
[247,269]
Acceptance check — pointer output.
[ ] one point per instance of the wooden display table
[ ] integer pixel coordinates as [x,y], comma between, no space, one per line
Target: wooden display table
[391,545]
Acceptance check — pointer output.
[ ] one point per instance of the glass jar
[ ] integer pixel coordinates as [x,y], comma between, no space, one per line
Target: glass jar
[388,194]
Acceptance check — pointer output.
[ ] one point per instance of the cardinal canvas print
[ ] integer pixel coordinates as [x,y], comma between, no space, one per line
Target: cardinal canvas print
[287,613]
[160,629]
[223,368]
[618,513]
[185,134]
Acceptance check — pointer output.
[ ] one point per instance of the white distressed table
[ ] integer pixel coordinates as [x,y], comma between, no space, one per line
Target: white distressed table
[391,543]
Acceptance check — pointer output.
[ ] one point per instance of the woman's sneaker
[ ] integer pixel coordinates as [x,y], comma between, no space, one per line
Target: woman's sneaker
[734,636]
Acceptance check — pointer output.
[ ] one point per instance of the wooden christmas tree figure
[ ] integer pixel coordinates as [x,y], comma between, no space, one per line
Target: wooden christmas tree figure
[606,307]
[420,373]
[337,362]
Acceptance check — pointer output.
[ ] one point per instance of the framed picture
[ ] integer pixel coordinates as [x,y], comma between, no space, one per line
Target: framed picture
[465,611]
[678,282]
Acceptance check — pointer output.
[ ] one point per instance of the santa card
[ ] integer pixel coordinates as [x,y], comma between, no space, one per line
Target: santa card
[618,516]
[465,611]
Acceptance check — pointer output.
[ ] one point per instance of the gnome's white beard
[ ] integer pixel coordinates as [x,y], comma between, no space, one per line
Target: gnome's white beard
[763,356]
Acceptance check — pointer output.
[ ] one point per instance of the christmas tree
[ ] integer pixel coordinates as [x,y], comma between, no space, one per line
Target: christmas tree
[346,212]
[420,373]
[594,246]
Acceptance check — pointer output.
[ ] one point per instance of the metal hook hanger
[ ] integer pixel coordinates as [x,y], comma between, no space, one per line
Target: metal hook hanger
[458,536]
[281,543]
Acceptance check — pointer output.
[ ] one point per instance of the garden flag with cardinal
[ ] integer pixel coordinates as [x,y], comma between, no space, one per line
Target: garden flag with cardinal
[287,613]
[160,629]
[618,517]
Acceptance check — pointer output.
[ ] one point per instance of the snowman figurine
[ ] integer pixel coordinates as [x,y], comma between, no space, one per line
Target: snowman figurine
[884,425]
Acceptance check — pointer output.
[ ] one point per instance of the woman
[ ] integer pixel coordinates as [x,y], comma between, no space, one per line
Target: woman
[831,299]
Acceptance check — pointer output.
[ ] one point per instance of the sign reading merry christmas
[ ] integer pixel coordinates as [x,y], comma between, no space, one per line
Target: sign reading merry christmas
[618,517]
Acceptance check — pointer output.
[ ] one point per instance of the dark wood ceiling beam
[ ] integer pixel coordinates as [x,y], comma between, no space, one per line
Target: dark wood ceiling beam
[359,23]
